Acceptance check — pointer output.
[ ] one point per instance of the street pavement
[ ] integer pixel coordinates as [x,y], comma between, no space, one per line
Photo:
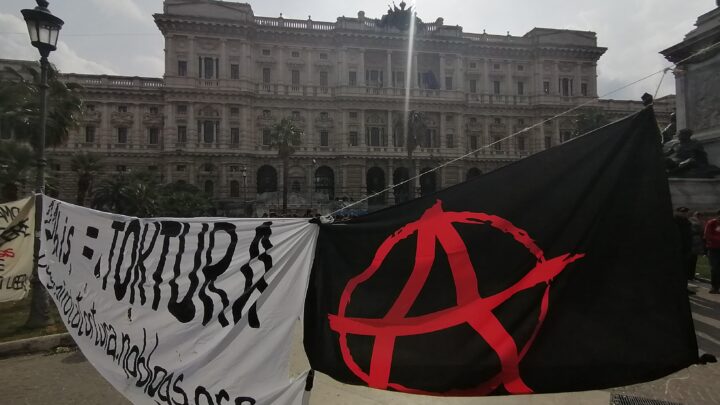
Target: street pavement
[67,378]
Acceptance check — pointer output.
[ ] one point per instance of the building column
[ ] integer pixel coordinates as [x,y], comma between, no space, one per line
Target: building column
[170,67]
[361,141]
[388,74]
[459,74]
[486,78]
[442,72]
[577,80]
[361,73]
[415,69]
[245,64]
[511,140]
[442,129]
[509,80]
[556,131]
[485,137]
[555,85]
[390,197]
[389,128]
[681,94]
[224,69]
[538,77]
[310,69]
[192,59]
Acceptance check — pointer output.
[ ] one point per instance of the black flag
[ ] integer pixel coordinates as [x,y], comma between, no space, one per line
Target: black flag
[560,272]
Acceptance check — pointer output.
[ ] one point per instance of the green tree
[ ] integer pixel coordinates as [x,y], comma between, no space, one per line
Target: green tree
[17,168]
[415,132]
[131,194]
[182,200]
[588,121]
[285,136]
[87,165]
[20,105]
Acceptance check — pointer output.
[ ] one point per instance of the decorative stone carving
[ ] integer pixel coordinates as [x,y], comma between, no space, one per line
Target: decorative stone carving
[122,118]
[92,116]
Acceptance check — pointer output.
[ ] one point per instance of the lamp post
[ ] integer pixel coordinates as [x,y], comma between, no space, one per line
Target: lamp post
[44,29]
[244,174]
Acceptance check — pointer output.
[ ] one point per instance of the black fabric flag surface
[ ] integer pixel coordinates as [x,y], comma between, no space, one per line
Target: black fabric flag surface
[560,272]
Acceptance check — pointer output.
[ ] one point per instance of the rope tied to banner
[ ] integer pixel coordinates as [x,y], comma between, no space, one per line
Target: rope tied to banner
[664,71]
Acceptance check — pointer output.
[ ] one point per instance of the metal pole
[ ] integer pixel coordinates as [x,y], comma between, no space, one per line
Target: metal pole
[245,210]
[41,163]
[40,305]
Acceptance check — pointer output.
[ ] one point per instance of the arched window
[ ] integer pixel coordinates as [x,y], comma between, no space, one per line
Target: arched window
[402,192]
[234,189]
[209,188]
[375,183]
[473,172]
[325,181]
[295,187]
[428,182]
[266,179]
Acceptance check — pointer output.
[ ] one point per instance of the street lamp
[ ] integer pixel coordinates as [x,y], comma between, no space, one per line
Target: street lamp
[244,174]
[44,29]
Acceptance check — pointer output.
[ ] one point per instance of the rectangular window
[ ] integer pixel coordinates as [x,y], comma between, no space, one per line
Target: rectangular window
[496,87]
[323,79]
[584,89]
[267,114]
[89,107]
[153,136]
[235,136]
[266,137]
[473,142]
[399,79]
[450,140]
[181,109]
[352,78]
[209,68]
[234,71]
[182,134]
[546,87]
[496,66]
[120,168]
[180,168]
[497,145]
[520,68]
[90,134]
[521,143]
[122,135]
[473,86]
[295,74]
[234,169]
[296,115]
[208,129]
[324,138]
[182,68]
[353,115]
[473,65]
[152,168]
[323,56]
[153,110]
[234,111]
[266,75]
[266,52]
[295,54]
[122,108]
[448,83]
[520,88]
[353,138]
[548,142]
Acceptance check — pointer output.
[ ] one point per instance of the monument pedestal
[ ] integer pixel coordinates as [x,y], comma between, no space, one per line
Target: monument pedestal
[696,194]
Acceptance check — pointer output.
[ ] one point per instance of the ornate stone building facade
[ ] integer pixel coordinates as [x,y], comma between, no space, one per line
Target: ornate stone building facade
[230,75]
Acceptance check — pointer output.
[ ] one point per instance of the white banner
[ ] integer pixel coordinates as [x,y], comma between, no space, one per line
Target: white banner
[181,311]
[17,224]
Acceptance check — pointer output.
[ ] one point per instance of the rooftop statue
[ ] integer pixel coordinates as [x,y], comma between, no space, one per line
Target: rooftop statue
[687,158]
[399,18]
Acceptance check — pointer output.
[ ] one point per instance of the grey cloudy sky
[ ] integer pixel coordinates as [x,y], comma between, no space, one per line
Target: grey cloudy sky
[120,37]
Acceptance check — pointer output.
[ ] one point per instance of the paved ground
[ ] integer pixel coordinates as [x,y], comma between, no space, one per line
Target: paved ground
[68,378]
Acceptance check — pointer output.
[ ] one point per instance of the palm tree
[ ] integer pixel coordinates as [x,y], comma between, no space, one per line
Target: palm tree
[285,136]
[17,168]
[182,200]
[416,129]
[20,106]
[87,165]
[111,195]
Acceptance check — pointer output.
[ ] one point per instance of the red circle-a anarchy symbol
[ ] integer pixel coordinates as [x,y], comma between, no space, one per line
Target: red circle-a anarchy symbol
[436,224]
